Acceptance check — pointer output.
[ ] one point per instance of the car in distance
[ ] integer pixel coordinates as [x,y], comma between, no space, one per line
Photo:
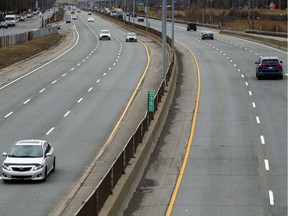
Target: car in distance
[3,25]
[269,66]
[207,35]
[28,160]
[105,34]
[29,15]
[74,17]
[131,36]
[89,13]
[90,19]
[140,19]
[191,26]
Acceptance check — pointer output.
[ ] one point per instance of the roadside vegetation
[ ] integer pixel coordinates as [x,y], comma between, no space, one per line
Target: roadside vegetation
[15,53]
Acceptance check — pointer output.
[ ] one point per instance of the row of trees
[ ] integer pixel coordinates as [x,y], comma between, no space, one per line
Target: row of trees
[18,6]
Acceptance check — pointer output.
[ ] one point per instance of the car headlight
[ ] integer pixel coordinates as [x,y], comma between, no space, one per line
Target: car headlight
[38,167]
[6,167]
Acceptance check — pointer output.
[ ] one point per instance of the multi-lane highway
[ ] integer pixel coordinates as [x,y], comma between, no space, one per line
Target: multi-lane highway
[236,158]
[73,102]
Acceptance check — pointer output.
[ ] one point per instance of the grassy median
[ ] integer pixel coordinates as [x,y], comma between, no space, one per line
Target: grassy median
[15,53]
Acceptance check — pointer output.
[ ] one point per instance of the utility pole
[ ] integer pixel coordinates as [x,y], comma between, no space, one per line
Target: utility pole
[164,40]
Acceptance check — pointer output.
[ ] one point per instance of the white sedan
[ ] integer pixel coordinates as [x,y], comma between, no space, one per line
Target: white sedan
[105,34]
[90,19]
[28,160]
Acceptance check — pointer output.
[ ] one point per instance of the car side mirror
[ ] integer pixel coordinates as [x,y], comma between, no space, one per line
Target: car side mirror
[281,62]
[256,62]
[48,154]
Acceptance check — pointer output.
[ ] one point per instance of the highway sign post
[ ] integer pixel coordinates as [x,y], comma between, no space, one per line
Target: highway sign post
[150,104]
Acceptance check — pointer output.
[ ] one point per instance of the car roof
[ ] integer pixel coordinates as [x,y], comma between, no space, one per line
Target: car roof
[30,142]
[269,57]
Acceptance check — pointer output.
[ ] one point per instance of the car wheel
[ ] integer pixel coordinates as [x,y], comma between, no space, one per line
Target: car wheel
[100,38]
[281,77]
[54,165]
[135,40]
[126,40]
[109,38]
[45,175]
[258,77]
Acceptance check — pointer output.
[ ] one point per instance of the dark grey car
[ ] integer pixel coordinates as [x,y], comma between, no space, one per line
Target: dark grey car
[269,67]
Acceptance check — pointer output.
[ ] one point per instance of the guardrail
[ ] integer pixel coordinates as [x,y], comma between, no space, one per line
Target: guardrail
[27,36]
[94,203]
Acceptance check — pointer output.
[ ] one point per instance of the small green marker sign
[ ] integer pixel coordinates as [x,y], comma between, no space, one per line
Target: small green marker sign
[150,105]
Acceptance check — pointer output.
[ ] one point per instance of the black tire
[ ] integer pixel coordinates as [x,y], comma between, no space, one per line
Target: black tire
[54,165]
[135,40]
[45,175]
[100,38]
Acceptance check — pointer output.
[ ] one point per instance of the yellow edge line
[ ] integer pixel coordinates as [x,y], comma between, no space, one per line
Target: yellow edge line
[179,179]
[102,150]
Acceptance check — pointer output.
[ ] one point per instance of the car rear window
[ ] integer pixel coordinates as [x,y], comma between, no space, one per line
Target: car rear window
[270,61]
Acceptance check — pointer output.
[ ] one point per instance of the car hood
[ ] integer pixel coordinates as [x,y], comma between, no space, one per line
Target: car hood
[24,161]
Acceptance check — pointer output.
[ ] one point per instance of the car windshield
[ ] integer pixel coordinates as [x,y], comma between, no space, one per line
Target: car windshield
[131,34]
[105,31]
[270,61]
[33,151]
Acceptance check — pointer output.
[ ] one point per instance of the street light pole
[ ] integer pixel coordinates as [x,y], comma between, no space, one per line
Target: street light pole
[164,40]
[173,11]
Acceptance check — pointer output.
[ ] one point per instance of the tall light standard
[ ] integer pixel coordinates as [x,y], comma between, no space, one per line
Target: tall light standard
[164,40]
[146,10]
[133,13]
[173,11]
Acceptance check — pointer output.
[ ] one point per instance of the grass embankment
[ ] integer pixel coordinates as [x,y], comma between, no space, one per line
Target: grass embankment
[15,53]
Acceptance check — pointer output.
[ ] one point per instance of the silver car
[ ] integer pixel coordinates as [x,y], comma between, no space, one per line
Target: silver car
[28,160]
[131,36]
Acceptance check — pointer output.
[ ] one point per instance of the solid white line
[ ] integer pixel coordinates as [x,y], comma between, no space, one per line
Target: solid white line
[262,139]
[26,101]
[246,83]
[235,65]
[78,64]
[50,131]
[242,75]
[90,89]
[271,197]
[42,90]
[79,100]
[116,60]
[110,68]
[258,119]
[253,104]
[33,71]
[84,60]
[227,57]
[266,162]
[66,114]
[250,93]
[231,61]
[64,74]
[98,81]
[54,81]
[114,63]
[8,114]
[72,69]
[239,70]
[104,74]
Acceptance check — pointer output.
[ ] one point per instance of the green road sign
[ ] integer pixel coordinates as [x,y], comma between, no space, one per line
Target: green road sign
[150,104]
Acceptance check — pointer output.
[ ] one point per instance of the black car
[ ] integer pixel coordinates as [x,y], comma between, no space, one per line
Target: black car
[191,26]
[3,25]
[207,35]
[269,67]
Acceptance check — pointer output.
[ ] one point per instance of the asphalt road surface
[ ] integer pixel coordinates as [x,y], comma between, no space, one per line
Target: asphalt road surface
[73,102]
[236,163]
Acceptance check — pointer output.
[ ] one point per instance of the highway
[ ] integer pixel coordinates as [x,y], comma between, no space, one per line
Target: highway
[73,102]
[236,157]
